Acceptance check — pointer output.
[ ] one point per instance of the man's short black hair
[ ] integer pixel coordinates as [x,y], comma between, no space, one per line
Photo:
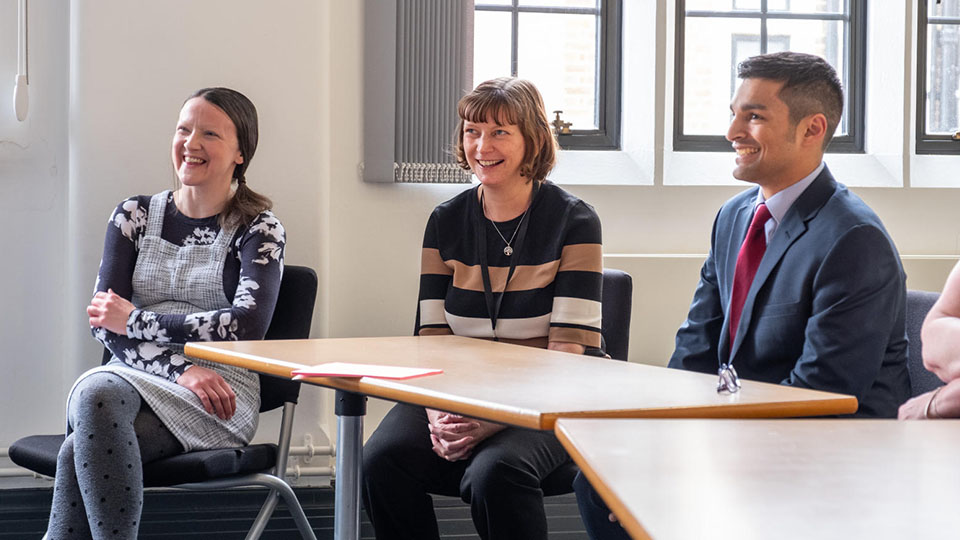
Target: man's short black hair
[810,85]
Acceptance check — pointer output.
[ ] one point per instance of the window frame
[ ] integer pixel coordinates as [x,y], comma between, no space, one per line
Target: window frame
[929,143]
[609,55]
[855,43]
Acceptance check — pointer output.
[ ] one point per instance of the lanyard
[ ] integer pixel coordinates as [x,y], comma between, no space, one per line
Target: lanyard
[494,299]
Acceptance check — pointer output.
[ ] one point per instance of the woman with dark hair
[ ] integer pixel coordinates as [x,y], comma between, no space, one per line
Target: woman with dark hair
[514,259]
[199,263]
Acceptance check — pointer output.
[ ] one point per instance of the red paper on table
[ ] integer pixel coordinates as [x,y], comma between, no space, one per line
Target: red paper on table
[345,369]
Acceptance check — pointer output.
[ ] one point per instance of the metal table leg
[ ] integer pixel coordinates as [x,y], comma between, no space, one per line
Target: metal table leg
[350,409]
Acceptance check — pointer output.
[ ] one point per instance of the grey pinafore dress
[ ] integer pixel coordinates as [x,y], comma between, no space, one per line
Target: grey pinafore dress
[180,280]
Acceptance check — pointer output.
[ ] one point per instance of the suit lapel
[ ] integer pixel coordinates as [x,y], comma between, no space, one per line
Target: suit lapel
[794,225]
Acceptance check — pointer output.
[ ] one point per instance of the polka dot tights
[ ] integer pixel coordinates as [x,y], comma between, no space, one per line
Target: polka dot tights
[98,491]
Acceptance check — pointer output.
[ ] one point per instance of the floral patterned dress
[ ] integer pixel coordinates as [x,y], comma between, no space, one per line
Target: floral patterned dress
[190,281]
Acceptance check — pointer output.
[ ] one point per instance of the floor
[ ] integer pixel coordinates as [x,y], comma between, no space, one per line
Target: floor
[214,516]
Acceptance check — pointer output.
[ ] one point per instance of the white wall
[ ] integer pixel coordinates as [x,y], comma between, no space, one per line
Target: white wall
[131,64]
[107,82]
[33,205]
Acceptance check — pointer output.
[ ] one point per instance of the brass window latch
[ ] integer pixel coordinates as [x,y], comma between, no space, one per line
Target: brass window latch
[956,136]
[559,126]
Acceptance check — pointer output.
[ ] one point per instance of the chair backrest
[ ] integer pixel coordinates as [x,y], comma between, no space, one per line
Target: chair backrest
[617,303]
[918,304]
[291,320]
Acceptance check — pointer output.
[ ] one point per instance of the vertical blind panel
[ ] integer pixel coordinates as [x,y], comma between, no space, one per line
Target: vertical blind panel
[434,70]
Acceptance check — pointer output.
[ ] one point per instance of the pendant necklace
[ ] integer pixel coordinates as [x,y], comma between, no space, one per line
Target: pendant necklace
[508,250]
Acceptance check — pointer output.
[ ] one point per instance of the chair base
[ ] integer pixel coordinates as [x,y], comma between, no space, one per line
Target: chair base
[278,488]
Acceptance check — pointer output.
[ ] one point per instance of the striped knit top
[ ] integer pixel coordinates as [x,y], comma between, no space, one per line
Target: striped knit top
[554,294]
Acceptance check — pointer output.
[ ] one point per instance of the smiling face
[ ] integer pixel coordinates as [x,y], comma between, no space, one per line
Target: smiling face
[494,152]
[205,147]
[771,150]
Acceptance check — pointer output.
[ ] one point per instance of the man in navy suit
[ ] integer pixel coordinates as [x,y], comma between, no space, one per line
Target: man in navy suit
[823,304]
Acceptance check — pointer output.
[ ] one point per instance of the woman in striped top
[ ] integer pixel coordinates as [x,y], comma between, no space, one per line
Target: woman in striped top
[515,259]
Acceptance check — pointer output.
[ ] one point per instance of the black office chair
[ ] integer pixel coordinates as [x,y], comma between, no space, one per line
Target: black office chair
[918,304]
[617,302]
[254,465]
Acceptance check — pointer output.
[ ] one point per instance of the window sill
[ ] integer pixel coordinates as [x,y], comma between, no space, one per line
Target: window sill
[618,168]
[714,168]
[599,168]
[933,171]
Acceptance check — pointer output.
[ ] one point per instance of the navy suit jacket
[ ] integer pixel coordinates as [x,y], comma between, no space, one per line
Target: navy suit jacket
[826,309]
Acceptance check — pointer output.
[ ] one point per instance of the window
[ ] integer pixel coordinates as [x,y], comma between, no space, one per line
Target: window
[938,77]
[569,48]
[706,76]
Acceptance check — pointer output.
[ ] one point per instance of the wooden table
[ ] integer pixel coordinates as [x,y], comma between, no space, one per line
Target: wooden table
[784,479]
[515,385]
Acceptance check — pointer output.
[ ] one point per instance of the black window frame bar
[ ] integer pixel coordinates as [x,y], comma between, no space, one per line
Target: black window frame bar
[609,50]
[855,42]
[932,144]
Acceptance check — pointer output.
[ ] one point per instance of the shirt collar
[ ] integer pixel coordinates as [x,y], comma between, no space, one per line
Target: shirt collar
[780,203]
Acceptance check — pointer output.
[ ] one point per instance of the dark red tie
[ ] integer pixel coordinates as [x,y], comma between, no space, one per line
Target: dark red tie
[747,262]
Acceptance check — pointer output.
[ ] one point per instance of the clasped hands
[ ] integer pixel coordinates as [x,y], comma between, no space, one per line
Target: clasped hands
[454,436]
[110,311]
[943,402]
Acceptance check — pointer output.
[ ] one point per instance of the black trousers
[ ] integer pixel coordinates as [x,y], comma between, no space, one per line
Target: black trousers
[595,513]
[500,481]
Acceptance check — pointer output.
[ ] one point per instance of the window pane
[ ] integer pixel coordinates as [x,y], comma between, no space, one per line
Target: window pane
[808,6]
[772,5]
[593,4]
[793,6]
[564,70]
[710,76]
[943,78]
[491,45]
[713,49]
[493,3]
[946,8]
[736,5]
[721,5]
[822,38]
